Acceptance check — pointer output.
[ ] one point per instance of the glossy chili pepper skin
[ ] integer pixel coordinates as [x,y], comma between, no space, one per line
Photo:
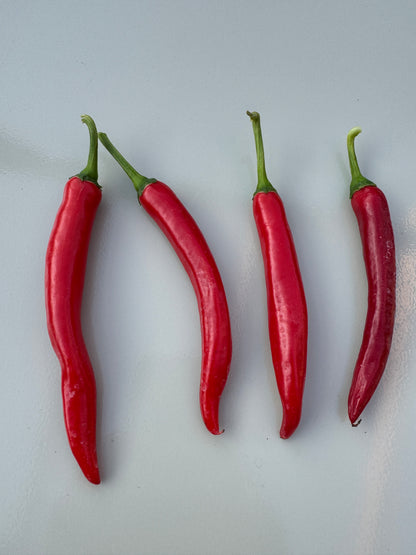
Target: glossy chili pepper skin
[180,228]
[66,260]
[287,312]
[372,212]
[286,302]
[376,231]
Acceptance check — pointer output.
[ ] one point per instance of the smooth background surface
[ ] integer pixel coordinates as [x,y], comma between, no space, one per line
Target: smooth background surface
[170,83]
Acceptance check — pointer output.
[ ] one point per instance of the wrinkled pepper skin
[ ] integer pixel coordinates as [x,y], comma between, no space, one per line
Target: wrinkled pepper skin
[373,216]
[287,311]
[181,230]
[66,260]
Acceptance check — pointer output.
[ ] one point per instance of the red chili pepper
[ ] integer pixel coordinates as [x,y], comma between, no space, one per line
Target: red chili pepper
[372,212]
[287,312]
[187,240]
[66,259]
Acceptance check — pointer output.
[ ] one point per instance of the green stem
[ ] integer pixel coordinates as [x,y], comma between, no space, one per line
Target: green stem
[90,172]
[358,181]
[139,181]
[263,184]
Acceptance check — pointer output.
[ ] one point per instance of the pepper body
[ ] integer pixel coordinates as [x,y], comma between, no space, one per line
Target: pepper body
[372,212]
[287,311]
[66,260]
[180,228]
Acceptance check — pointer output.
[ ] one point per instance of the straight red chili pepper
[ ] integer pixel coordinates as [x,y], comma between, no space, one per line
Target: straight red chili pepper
[180,228]
[66,260]
[287,311]
[373,216]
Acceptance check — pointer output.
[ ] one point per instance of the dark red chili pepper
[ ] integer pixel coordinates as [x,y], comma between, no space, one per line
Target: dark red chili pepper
[66,259]
[372,212]
[287,312]
[187,240]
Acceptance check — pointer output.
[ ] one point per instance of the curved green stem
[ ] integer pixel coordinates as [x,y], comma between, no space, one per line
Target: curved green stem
[90,172]
[263,184]
[358,181]
[139,181]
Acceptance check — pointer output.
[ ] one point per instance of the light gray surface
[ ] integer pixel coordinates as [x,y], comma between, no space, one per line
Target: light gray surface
[170,83]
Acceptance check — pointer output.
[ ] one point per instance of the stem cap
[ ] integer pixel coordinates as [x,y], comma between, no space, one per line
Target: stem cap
[139,180]
[90,172]
[263,183]
[358,181]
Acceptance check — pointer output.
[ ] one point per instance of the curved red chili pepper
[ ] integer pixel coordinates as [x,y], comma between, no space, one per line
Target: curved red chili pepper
[190,245]
[372,212]
[287,311]
[66,260]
